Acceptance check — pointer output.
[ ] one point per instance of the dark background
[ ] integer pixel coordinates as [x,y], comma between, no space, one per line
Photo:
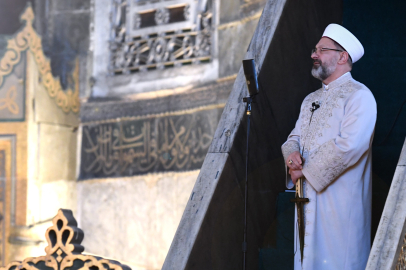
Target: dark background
[380,26]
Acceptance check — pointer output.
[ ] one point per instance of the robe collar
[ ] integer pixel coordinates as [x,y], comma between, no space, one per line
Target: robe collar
[339,81]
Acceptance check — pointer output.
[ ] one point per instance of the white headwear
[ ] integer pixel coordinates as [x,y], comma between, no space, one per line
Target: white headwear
[346,39]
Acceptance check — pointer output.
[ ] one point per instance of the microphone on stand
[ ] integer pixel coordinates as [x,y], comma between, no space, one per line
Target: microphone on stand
[253,89]
[251,76]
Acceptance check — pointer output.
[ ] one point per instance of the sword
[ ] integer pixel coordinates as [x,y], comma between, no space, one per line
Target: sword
[299,200]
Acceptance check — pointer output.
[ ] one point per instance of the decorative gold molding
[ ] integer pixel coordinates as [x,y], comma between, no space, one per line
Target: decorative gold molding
[28,39]
[64,250]
[147,116]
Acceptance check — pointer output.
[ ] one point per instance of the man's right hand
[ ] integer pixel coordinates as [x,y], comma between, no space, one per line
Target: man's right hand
[296,159]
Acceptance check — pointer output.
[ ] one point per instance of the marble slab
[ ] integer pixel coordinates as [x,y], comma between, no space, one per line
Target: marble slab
[391,230]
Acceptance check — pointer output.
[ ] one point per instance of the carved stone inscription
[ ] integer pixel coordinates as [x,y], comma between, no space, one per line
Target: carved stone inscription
[148,35]
[133,147]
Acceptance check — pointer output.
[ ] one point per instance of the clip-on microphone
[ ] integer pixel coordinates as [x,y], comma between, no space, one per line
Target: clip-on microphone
[252,85]
[315,106]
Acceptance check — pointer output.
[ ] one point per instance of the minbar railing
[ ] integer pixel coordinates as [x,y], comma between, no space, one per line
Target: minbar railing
[389,248]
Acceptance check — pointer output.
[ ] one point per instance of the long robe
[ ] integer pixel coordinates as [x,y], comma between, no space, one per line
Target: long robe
[336,146]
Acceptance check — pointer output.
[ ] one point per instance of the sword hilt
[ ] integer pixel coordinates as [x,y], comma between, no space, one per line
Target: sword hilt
[299,188]
[299,200]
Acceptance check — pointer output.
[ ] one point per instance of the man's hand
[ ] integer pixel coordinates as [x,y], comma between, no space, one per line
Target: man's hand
[295,174]
[294,161]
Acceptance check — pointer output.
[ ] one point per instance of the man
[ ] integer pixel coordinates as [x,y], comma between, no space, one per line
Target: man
[330,148]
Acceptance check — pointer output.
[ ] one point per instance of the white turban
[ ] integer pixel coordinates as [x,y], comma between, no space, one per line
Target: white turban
[346,39]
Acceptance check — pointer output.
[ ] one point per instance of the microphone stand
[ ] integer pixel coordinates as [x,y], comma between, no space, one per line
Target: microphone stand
[249,100]
[253,89]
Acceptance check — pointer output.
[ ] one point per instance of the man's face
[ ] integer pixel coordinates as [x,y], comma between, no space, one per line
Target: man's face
[324,62]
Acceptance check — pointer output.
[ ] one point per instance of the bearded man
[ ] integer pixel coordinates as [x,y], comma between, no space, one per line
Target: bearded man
[330,148]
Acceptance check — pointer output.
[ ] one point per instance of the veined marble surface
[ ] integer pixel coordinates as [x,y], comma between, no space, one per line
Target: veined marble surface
[391,231]
[133,219]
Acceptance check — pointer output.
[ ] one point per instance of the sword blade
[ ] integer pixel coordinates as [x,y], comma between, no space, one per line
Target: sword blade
[299,201]
[301,228]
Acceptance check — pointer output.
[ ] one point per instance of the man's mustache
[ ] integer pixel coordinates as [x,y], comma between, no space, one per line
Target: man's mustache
[317,61]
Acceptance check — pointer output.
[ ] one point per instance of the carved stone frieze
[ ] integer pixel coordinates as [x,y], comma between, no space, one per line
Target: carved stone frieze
[149,35]
[175,141]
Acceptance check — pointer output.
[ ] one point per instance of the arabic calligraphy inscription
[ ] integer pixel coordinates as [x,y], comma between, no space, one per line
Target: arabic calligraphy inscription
[133,147]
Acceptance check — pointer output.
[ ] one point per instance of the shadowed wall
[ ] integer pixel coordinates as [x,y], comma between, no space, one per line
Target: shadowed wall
[383,70]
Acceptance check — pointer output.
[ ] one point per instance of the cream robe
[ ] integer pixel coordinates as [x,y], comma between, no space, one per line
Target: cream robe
[337,168]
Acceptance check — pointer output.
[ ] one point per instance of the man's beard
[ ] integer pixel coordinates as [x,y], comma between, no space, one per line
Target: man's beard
[324,70]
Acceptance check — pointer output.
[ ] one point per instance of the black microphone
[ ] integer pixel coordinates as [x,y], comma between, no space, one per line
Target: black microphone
[315,106]
[251,76]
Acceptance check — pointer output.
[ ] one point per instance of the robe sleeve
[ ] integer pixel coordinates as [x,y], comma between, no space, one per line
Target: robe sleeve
[290,146]
[327,162]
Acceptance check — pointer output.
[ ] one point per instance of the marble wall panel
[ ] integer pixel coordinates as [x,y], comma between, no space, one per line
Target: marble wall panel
[229,11]
[57,153]
[235,41]
[144,209]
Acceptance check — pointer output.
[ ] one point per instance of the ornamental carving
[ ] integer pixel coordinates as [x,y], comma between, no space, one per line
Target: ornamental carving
[12,93]
[64,250]
[28,40]
[149,35]
[178,141]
